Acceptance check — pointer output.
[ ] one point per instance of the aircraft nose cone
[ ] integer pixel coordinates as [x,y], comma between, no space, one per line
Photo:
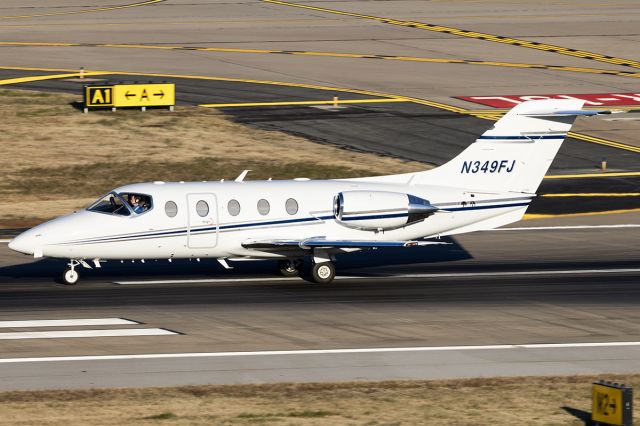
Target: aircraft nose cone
[22,244]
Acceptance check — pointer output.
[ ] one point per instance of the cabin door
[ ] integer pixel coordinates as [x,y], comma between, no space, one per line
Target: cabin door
[202,226]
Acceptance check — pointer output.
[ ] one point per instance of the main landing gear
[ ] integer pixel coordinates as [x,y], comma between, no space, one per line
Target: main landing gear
[289,267]
[70,276]
[322,272]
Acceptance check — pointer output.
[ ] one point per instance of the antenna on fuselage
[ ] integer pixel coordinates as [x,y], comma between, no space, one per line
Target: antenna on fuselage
[242,175]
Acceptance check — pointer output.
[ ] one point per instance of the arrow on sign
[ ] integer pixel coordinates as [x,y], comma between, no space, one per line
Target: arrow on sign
[161,94]
[128,94]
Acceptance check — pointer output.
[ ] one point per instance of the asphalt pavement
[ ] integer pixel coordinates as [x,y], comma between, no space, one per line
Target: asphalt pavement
[559,297]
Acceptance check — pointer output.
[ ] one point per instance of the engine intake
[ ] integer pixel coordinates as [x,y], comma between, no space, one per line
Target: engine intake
[379,210]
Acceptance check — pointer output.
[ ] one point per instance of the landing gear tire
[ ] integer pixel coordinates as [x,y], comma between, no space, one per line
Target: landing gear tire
[323,273]
[70,276]
[289,268]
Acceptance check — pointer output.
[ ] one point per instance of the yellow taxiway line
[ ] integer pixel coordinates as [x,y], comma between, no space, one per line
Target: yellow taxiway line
[532,216]
[345,101]
[386,98]
[502,111]
[47,77]
[601,141]
[397,98]
[76,12]
[471,34]
[593,175]
[331,54]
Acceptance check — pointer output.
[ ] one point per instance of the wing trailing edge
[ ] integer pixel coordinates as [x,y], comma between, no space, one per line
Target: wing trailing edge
[319,242]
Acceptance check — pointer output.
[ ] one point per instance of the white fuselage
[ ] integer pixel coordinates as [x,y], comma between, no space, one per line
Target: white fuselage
[219,234]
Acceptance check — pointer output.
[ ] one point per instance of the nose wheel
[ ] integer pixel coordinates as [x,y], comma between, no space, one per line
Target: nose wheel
[323,273]
[70,276]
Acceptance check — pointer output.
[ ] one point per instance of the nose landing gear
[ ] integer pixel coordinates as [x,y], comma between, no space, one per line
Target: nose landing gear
[70,276]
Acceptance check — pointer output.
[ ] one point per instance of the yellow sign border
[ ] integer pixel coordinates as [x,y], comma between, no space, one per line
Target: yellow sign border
[133,95]
[87,96]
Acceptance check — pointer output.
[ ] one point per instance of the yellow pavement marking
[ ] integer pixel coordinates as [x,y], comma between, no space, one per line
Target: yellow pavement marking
[592,175]
[595,194]
[433,104]
[160,21]
[345,101]
[531,216]
[472,34]
[46,77]
[490,115]
[37,69]
[334,55]
[601,141]
[76,12]
[502,111]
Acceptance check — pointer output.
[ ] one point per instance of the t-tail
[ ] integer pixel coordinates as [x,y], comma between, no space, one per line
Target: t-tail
[513,156]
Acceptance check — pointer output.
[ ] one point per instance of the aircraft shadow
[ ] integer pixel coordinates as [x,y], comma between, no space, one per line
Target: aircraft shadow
[357,263]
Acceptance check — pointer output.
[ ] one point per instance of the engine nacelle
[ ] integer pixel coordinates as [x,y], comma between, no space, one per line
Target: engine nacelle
[379,210]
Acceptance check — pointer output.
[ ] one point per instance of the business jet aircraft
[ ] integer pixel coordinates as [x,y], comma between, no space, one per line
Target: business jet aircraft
[490,184]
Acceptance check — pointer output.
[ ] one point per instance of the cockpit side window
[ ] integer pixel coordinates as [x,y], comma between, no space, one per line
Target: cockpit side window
[110,204]
[139,203]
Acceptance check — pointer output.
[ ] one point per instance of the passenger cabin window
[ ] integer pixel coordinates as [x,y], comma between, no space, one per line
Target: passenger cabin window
[171,209]
[139,203]
[233,207]
[110,204]
[263,207]
[202,208]
[292,206]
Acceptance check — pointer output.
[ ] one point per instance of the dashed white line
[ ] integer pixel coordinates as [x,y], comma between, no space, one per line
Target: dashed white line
[85,333]
[66,322]
[320,352]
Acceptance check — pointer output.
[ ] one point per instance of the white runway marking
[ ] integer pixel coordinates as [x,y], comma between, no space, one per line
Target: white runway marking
[66,322]
[514,273]
[5,240]
[384,277]
[321,351]
[85,333]
[565,227]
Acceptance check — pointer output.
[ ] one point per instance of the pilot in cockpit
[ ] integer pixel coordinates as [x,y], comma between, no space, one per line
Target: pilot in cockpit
[136,205]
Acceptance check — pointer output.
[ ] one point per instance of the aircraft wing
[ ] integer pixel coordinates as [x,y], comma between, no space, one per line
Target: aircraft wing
[320,242]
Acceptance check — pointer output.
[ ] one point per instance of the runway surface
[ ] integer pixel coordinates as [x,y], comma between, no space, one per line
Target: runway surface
[563,283]
[573,286]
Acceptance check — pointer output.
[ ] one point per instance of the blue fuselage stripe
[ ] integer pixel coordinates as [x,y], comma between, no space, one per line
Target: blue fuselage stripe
[185,231]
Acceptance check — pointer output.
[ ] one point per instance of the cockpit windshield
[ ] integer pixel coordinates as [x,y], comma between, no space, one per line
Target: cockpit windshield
[110,204]
[123,204]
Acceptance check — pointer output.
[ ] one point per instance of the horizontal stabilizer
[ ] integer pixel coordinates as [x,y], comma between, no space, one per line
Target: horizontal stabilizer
[576,112]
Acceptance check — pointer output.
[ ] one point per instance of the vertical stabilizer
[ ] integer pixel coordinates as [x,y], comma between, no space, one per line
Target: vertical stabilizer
[512,156]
